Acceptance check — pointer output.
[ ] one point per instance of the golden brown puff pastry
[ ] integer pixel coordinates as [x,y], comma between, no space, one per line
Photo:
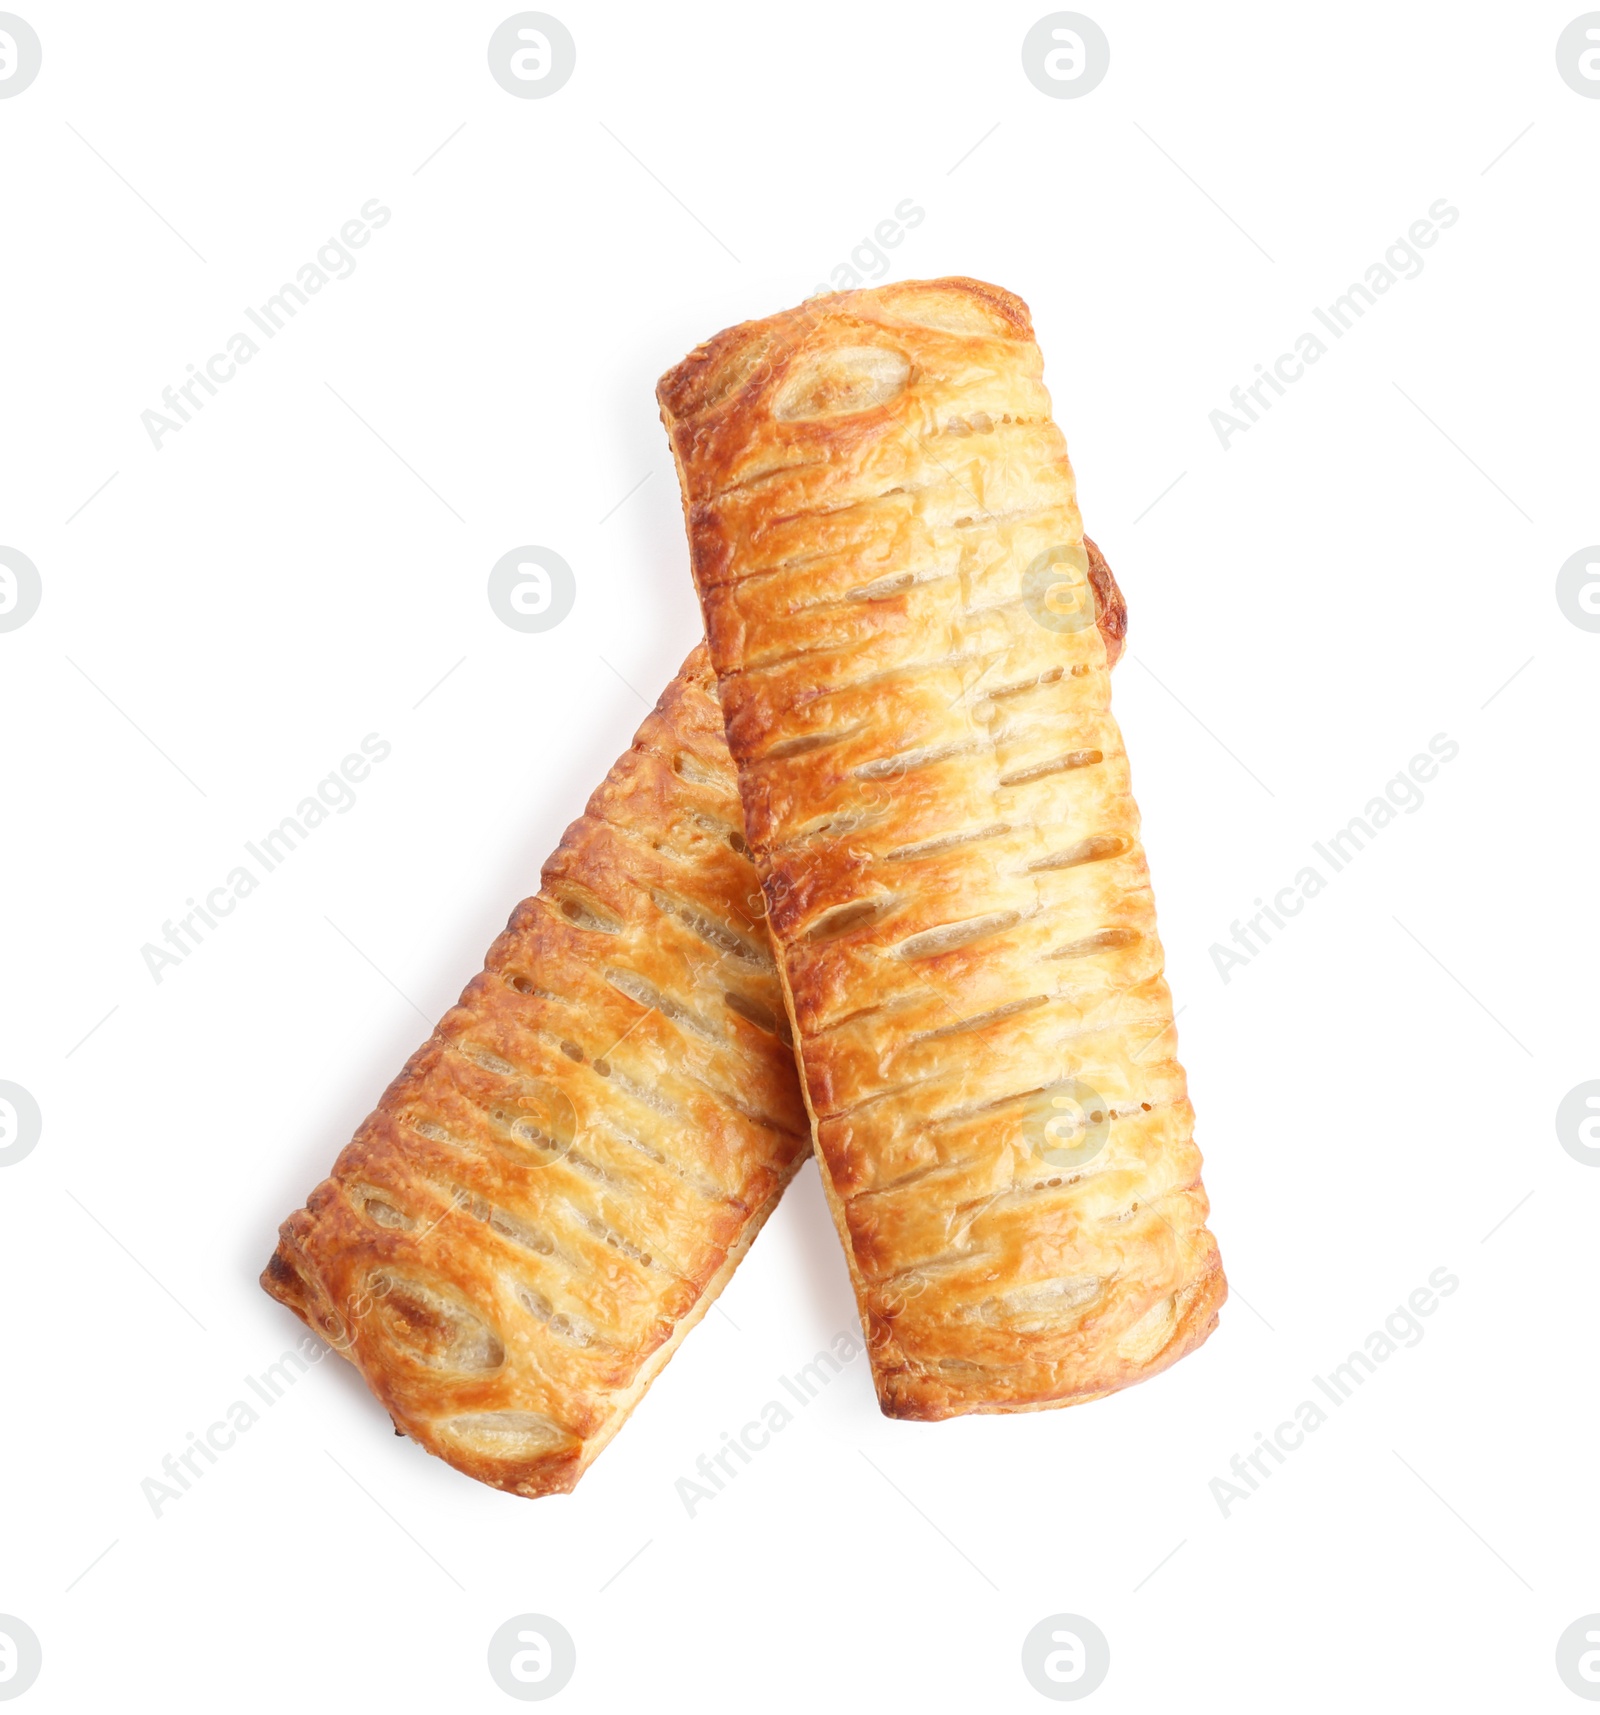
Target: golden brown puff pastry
[565,1175]
[522,1233]
[885,537]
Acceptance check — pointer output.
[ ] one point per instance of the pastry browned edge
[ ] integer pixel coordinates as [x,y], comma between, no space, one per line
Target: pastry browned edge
[885,538]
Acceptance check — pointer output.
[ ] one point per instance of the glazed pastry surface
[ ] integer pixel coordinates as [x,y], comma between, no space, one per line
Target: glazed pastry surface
[566,1173]
[900,606]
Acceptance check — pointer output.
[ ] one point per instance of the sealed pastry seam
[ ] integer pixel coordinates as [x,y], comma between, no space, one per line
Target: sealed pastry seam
[899,602]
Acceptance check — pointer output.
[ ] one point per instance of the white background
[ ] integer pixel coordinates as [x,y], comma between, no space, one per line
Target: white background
[1375,1091]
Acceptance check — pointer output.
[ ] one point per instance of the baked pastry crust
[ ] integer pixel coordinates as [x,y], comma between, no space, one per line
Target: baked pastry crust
[885,538]
[566,1173]
[403,1259]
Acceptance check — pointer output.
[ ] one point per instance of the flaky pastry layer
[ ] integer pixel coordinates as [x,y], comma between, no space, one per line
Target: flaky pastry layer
[898,597]
[566,1173]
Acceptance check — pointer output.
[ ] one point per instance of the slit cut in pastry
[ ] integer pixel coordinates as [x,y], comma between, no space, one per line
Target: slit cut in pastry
[565,1175]
[901,617]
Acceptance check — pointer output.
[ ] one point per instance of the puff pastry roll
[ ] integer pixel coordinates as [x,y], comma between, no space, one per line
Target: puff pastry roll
[885,538]
[565,1175]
